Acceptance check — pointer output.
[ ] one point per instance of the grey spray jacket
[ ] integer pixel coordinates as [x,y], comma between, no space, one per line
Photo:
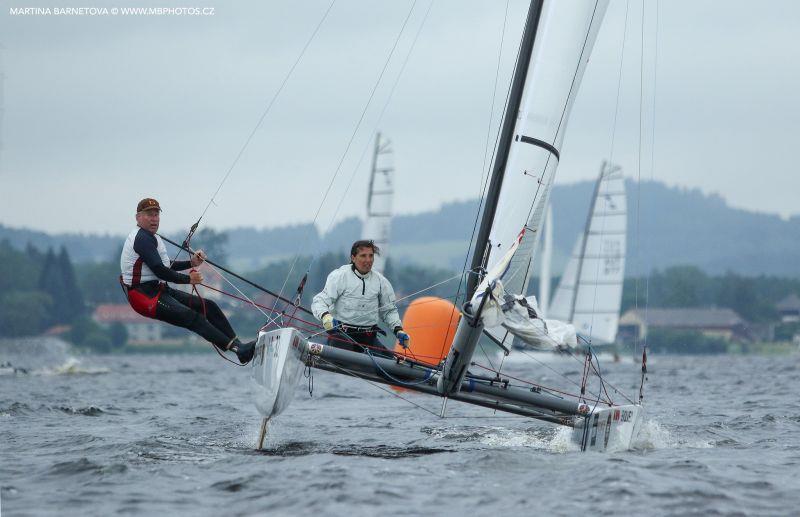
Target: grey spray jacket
[356,299]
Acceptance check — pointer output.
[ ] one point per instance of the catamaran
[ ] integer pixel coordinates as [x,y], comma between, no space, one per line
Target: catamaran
[555,48]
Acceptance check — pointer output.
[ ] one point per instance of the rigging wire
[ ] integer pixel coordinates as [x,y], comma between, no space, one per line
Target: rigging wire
[652,174]
[258,124]
[639,341]
[610,162]
[377,123]
[485,179]
[350,142]
[491,162]
[366,147]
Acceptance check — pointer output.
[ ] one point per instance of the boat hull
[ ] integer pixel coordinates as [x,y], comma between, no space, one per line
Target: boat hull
[276,368]
[608,429]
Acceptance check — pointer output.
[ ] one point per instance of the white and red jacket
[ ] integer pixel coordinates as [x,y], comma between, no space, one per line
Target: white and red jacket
[144,259]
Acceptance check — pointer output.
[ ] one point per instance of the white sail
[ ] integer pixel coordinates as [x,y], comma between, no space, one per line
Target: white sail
[590,292]
[560,53]
[378,222]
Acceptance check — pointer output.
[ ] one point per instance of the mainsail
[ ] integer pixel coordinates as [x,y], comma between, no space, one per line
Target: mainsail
[529,149]
[379,200]
[590,292]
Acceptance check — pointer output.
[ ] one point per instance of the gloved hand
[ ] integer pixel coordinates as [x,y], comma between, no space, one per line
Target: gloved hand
[403,338]
[327,321]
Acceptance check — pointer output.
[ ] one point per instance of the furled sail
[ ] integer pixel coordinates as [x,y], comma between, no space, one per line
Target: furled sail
[379,200]
[565,35]
[590,292]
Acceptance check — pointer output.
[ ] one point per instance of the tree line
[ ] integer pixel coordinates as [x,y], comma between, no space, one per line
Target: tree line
[40,290]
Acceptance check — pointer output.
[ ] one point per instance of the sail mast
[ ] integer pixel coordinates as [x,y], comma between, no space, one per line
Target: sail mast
[372,171]
[471,325]
[506,136]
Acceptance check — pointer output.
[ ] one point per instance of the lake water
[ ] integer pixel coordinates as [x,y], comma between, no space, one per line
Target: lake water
[171,434]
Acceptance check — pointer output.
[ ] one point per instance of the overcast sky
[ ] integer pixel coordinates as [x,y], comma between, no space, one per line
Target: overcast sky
[100,111]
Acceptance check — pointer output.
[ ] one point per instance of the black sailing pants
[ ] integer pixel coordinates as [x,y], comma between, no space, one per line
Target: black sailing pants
[349,338]
[186,310]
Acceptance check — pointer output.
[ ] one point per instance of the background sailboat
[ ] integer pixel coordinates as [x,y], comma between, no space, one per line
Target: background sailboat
[589,294]
[380,196]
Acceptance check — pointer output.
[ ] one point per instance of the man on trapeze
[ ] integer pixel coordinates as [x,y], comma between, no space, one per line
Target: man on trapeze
[355,299]
[146,269]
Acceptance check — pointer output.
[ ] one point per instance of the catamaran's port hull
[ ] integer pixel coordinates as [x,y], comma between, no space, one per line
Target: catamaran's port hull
[407,375]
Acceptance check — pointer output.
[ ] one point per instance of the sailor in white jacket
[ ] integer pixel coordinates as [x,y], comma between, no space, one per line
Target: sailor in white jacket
[355,299]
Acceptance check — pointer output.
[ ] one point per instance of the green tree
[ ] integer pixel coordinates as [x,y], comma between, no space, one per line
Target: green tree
[742,295]
[72,297]
[57,279]
[118,334]
[88,334]
[99,282]
[52,283]
[18,271]
[98,341]
[24,313]
[684,286]
[684,342]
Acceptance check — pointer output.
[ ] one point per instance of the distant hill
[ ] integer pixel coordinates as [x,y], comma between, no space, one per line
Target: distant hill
[81,247]
[675,226]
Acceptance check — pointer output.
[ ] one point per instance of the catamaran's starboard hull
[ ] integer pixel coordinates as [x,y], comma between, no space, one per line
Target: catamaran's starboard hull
[608,429]
[276,368]
[281,354]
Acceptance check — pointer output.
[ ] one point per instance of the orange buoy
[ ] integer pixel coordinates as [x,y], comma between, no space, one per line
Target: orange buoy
[431,323]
